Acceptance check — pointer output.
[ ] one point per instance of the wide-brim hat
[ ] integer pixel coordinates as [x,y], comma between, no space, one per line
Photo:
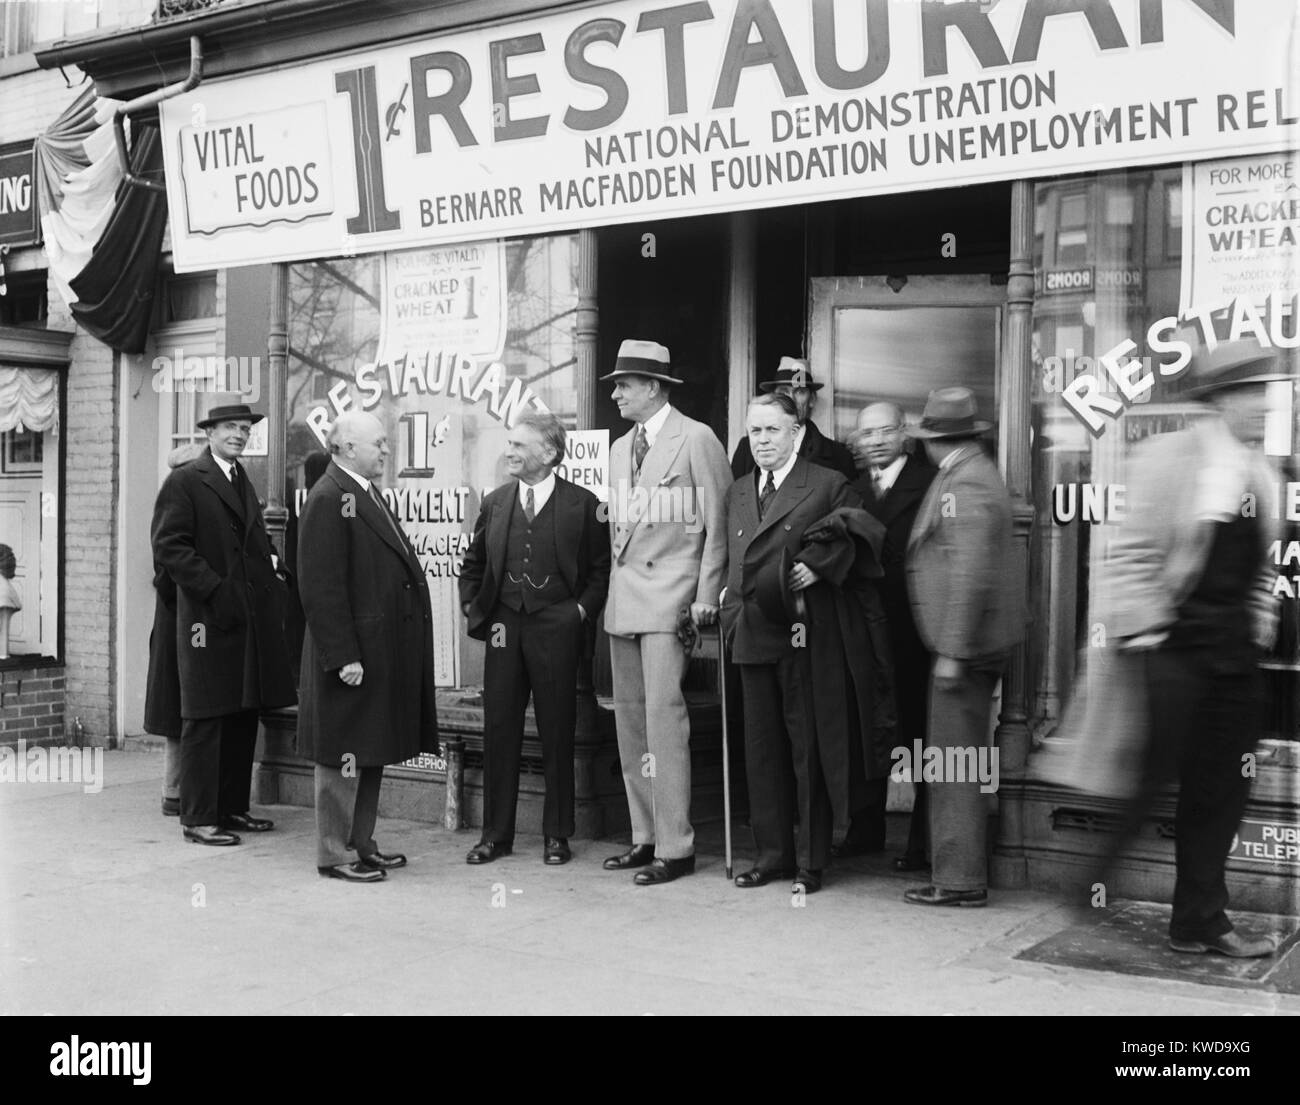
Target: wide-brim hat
[229,412]
[1234,364]
[643,358]
[776,601]
[949,412]
[795,373]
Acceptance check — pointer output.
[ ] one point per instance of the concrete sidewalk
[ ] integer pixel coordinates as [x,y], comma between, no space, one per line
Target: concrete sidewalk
[105,910]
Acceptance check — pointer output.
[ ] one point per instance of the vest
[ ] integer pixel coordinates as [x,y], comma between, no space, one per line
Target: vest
[1215,616]
[531,555]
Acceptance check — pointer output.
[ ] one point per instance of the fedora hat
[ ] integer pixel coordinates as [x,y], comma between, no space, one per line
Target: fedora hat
[949,412]
[794,372]
[776,601]
[1234,364]
[229,412]
[643,358]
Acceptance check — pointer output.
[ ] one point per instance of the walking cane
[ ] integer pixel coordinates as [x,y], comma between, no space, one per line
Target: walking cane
[726,749]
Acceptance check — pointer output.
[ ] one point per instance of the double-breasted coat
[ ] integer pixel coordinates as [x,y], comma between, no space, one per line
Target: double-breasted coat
[845,634]
[365,598]
[228,630]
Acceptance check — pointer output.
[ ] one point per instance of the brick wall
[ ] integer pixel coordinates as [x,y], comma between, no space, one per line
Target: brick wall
[89,529]
[32,705]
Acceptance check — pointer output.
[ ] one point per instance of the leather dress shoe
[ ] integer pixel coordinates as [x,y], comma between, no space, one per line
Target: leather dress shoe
[664,870]
[208,834]
[853,846]
[485,851]
[806,882]
[353,872]
[758,877]
[380,862]
[171,807]
[1229,943]
[247,823]
[636,856]
[556,851]
[937,895]
[911,863]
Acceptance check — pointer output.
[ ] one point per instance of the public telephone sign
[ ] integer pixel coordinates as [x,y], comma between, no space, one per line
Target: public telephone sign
[634,110]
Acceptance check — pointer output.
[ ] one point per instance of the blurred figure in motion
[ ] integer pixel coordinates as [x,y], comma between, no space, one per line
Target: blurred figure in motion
[1190,593]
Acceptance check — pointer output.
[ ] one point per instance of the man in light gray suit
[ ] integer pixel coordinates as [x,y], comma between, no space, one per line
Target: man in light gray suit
[669,478]
[969,604]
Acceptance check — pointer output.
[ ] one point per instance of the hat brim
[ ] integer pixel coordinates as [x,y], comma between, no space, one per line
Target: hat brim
[772,385]
[1200,391]
[619,373]
[252,419]
[977,427]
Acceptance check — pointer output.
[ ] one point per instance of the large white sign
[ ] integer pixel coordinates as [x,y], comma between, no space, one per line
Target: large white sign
[1241,219]
[636,110]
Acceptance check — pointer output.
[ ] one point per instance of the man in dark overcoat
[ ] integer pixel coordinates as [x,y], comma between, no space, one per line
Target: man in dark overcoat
[794,378]
[814,679]
[367,683]
[210,539]
[893,484]
[532,582]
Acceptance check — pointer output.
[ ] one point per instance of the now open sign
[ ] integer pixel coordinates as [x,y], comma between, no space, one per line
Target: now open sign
[586,461]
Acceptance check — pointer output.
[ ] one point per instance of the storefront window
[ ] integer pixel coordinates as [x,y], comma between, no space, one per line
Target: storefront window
[29,511]
[1137,281]
[445,346]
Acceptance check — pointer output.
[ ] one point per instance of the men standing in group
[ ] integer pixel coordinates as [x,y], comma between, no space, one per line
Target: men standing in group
[811,678]
[531,583]
[367,681]
[968,599]
[892,485]
[1190,593]
[794,378]
[231,661]
[669,476]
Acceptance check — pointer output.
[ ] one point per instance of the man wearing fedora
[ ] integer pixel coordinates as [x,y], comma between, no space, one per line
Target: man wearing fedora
[1189,584]
[669,476]
[797,618]
[970,611]
[794,378]
[210,540]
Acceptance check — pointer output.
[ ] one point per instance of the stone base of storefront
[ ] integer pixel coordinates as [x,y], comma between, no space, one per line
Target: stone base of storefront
[419,794]
[1064,831]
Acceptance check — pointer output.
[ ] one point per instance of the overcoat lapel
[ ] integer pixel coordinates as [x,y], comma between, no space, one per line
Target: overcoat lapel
[793,490]
[216,479]
[498,532]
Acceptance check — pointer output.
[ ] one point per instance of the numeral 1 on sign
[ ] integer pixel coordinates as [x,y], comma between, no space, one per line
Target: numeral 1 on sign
[372,214]
[417,446]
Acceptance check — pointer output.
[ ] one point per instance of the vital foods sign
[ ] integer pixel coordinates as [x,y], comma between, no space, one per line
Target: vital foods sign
[642,110]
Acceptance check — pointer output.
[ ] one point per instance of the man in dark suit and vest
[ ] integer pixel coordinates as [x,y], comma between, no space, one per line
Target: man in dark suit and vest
[969,603]
[793,378]
[892,485]
[811,676]
[532,583]
[231,661]
[367,683]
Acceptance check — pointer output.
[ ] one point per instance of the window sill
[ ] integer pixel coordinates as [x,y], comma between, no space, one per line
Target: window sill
[29,661]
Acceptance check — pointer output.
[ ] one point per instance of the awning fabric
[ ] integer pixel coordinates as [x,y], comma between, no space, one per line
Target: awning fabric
[115,290]
[103,236]
[29,399]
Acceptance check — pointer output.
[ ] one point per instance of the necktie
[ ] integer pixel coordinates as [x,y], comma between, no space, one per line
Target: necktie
[234,477]
[529,512]
[765,495]
[877,482]
[379,502]
[640,446]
